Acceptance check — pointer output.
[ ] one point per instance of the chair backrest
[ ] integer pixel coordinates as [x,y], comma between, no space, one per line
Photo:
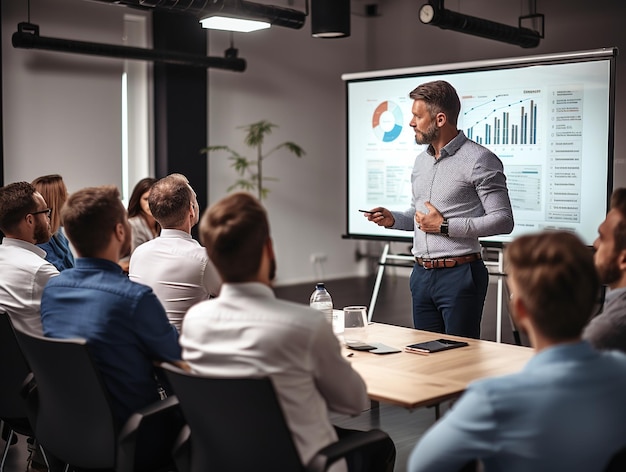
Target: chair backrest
[618,462]
[236,424]
[13,371]
[70,409]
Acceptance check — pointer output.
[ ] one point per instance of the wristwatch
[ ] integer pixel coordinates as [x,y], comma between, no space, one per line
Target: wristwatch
[443,229]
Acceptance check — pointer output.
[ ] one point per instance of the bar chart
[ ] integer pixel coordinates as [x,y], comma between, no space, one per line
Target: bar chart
[502,119]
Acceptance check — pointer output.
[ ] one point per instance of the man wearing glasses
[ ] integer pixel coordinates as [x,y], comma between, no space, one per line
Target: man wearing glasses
[25,222]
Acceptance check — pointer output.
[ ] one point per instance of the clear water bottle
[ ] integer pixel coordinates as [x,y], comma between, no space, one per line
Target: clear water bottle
[322,301]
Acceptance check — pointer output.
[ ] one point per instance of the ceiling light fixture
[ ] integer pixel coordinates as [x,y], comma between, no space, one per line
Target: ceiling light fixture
[244,16]
[330,18]
[27,37]
[434,13]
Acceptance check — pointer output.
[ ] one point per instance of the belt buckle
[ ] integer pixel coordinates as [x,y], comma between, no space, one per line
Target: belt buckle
[425,264]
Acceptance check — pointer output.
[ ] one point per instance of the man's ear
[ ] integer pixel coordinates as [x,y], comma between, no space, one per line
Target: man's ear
[621,260]
[441,119]
[519,313]
[120,232]
[270,248]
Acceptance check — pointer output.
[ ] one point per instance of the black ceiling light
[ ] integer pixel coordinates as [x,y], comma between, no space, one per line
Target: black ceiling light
[27,37]
[244,16]
[330,18]
[434,13]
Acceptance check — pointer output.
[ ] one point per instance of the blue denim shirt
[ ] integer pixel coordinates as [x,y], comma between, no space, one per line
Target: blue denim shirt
[58,252]
[123,322]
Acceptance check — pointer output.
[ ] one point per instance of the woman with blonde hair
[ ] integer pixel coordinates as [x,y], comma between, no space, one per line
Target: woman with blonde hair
[54,192]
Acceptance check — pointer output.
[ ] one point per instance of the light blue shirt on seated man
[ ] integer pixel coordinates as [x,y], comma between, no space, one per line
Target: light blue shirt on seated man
[564,412]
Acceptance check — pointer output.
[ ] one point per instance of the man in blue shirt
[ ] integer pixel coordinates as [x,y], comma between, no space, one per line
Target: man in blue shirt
[459,194]
[125,325]
[565,410]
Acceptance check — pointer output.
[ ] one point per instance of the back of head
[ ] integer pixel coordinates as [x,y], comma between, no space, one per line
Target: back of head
[89,217]
[234,231]
[440,97]
[556,279]
[141,187]
[54,192]
[169,200]
[16,201]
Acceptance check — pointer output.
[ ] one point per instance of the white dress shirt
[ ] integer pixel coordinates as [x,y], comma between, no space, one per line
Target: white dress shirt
[248,332]
[177,269]
[23,274]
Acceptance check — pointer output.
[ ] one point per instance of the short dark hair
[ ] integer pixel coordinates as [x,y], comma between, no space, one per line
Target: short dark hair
[439,97]
[234,231]
[555,274]
[16,201]
[618,203]
[90,215]
[169,200]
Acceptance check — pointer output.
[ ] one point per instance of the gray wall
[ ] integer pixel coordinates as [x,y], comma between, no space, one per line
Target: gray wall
[60,113]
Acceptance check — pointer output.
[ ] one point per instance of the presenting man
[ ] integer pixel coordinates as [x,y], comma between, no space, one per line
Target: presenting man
[247,332]
[123,322]
[608,330]
[459,194]
[24,271]
[565,410]
[174,265]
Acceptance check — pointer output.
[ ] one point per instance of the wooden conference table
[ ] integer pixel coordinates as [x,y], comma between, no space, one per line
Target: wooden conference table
[413,380]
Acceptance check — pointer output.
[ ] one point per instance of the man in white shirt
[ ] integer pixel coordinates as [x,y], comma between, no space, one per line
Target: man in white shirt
[25,222]
[174,265]
[247,332]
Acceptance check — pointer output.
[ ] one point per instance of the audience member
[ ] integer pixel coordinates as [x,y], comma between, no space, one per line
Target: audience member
[246,331]
[565,409]
[25,222]
[143,225]
[174,264]
[123,322]
[608,330]
[54,192]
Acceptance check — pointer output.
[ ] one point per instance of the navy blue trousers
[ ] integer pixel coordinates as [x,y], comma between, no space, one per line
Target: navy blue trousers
[450,300]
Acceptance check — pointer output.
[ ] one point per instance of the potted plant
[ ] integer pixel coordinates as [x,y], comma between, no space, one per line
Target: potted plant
[250,171]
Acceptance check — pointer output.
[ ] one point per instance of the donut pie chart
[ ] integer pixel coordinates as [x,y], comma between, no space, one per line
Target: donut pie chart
[387,121]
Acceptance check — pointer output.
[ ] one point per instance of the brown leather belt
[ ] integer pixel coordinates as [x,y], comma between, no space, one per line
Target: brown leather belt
[447,262]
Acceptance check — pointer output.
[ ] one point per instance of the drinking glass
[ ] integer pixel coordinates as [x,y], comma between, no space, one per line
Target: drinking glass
[355,323]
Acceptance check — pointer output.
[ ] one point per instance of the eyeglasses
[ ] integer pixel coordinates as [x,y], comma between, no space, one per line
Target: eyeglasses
[47,211]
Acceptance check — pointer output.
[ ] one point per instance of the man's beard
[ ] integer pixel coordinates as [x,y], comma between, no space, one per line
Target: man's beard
[429,136]
[42,232]
[610,272]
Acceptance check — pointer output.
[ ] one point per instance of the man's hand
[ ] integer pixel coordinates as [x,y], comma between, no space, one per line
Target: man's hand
[429,222]
[381,216]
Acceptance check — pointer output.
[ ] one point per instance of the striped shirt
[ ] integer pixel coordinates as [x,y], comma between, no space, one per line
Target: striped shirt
[468,187]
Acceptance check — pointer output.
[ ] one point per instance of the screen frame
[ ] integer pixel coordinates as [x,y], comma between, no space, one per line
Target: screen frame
[602,54]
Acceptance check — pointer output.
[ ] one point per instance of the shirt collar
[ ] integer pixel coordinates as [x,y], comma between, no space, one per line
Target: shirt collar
[174,233]
[97,263]
[562,352]
[452,147]
[24,245]
[613,293]
[246,289]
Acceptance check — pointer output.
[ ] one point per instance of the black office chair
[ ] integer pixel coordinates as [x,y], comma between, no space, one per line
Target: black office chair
[69,408]
[618,462]
[238,424]
[13,371]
